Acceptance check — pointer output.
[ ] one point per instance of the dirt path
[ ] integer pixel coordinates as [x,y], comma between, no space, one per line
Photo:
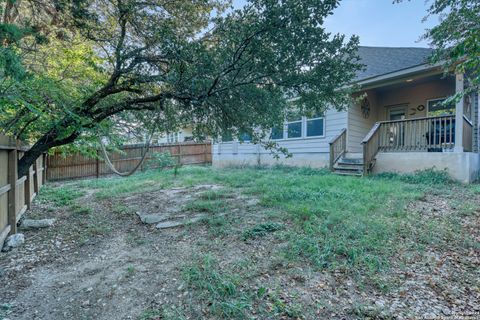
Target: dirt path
[56,275]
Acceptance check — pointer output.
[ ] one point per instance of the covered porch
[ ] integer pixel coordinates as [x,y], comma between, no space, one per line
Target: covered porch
[405,115]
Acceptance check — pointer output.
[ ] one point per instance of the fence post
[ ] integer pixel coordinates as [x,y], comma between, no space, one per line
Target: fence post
[97,167]
[27,189]
[44,165]
[180,154]
[35,177]
[12,193]
[205,153]
[142,166]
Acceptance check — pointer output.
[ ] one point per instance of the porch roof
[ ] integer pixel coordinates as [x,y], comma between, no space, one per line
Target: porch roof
[384,60]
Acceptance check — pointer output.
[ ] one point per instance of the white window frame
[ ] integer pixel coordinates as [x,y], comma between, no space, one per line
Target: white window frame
[283,133]
[173,137]
[317,118]
[302,131]
[304,136]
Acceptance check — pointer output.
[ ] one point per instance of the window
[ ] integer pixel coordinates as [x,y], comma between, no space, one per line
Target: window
[436,108]
[227,137]
[300,127]
[244,136]
[294,127]
[172,137]
[315,126]
[277,133]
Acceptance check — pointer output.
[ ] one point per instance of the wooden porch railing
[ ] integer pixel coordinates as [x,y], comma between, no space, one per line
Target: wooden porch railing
[371,144]
[420,134]
[467,135]
[435,134]
[338,147]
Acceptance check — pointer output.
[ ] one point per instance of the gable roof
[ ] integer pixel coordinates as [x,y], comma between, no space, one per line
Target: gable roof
[383,60]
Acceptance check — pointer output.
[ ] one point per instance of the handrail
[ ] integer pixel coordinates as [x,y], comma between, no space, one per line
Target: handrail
[338,147]
[468,120]
[419,118]
[370,147]
[338,136]
[371,132]
[467,134]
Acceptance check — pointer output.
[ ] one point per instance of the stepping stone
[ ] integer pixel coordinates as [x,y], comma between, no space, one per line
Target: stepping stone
[169,224]
[35,224]
[152,218]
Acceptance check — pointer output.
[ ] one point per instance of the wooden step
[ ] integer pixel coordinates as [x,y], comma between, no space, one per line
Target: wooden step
[344,166]
[348,166]
[348,173]
[350,161]
[348,169]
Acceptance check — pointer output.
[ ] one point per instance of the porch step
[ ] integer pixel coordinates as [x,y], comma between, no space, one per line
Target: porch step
[349,167]
[350,161]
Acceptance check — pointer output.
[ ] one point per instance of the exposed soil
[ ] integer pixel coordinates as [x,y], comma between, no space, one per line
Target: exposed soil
[77,271]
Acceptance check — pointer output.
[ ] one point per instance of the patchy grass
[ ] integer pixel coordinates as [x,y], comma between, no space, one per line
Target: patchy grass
[286,243]
[261,230]
[220,289]
[335,222]
[59,197]
[117,186]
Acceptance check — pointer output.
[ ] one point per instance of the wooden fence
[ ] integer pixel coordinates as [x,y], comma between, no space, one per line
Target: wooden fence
[81,166]
[16,193]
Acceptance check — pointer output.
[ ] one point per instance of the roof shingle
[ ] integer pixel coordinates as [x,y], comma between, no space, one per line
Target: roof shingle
[383,60]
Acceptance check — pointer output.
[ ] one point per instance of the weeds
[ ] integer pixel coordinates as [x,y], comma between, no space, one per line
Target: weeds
[261,230]
[428,177]
[59,197]
[219,289]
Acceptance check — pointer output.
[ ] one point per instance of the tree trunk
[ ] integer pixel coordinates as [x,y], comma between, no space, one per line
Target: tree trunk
[42,145]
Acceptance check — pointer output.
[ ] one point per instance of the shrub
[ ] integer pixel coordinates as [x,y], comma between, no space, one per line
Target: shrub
[162,160]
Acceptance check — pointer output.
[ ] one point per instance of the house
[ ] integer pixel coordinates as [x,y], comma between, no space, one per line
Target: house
[396,125]
[183,135]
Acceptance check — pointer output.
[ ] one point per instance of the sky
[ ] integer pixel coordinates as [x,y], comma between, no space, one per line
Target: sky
[379,22]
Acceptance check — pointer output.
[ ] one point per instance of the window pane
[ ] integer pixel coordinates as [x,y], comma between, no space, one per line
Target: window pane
[295,130]
[277,133]
[244,137]
[436,108]
[315,127]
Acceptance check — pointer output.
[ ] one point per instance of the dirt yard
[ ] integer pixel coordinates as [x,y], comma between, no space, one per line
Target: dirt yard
[248,244]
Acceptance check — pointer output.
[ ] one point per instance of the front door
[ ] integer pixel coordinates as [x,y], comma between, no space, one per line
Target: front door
[396,129]
[397,112]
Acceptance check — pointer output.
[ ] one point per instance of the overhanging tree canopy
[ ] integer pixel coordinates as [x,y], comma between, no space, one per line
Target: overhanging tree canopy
[191,62]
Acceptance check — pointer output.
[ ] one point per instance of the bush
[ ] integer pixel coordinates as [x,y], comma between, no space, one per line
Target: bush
[162,160]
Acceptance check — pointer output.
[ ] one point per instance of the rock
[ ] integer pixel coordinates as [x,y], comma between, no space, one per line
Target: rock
[151,218]
[429,315]
[168,224]
[13,241]
[446,311]
[35,224]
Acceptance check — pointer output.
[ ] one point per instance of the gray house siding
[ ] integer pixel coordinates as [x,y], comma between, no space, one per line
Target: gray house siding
[305,151]
[359,125]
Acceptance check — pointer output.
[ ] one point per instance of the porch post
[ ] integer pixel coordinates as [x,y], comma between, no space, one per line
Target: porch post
[459,114]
